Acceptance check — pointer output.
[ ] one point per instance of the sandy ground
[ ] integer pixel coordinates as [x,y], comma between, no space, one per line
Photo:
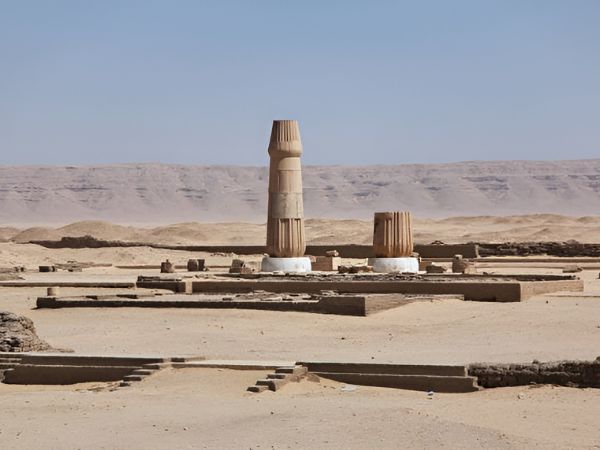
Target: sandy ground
[208,408]
[203,408]
[447,331]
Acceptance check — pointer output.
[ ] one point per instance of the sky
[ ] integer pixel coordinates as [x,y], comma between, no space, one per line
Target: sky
[371,82]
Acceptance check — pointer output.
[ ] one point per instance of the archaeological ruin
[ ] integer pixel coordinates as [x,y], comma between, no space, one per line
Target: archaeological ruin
[285,217]
[288,276]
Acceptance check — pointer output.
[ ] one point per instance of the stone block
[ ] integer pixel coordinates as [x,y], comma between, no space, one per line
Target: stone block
[240,266]
[257,389]
[461,265]
[572,268]
[432,268]
[196,265]
[293,370]
[167,267]
[326,263]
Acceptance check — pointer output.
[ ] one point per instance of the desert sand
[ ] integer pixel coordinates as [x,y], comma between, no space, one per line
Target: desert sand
[533,227]
[209,408]
[191,408]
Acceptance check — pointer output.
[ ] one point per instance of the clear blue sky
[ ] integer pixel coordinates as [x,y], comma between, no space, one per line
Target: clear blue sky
[86,82]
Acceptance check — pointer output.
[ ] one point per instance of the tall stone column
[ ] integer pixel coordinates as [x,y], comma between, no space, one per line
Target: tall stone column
[393,243]
[285,220]
[285,223]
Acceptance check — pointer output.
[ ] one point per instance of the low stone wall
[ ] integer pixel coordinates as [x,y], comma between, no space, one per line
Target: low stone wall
[351,305]
[345,250]
[563,373]
[469,250]
[480,289]
[564,249]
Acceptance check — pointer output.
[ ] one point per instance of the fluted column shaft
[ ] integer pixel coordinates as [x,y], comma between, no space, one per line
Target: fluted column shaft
[392,235]
[285,223]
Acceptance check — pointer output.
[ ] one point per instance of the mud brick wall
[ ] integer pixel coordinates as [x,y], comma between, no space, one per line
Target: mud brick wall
[540,248]
[563,373]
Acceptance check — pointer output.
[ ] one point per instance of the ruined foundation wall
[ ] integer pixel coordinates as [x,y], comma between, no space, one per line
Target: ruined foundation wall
[563,373]
[564,249]
[17,334]
[345,250]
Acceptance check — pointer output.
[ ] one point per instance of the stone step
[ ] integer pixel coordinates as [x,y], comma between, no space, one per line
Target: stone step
[134,377]
[10,360]
[143,372]
[179,359]
[6,365]
[156,366]
[272,384]
[62,359]
[278,376]
[257,389]
[59,374]
[410,382]
[293,370]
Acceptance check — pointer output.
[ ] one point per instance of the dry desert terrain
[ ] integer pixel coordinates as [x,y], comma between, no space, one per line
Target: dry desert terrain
[209,408]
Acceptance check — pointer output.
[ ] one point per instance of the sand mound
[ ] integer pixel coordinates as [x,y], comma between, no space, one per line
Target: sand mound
[7,233]
[538,227]
[17,334]
[36,233]
[101,230]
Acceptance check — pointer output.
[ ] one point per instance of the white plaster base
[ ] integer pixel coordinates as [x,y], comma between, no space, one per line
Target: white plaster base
[294,265]
[388,265]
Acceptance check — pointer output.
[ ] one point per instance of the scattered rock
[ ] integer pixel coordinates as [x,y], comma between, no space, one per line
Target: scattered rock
[240,266]
[17,334]
[196,265]
[432,268]
[360,269]
[167,267]
[461,265]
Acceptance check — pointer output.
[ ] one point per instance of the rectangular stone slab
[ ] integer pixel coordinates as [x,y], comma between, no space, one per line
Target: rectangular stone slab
[496,291]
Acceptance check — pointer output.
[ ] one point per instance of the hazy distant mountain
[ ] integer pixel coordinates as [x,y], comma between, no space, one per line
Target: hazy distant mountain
[163,193]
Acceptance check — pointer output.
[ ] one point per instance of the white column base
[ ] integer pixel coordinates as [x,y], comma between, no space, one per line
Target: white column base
[293,265]
[388,265]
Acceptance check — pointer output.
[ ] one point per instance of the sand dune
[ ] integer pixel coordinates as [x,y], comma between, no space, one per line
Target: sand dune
[483,201]
[163,194]
[540,227]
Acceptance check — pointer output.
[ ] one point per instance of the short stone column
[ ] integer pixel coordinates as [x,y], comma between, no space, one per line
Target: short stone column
[392,235]
[393,243]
